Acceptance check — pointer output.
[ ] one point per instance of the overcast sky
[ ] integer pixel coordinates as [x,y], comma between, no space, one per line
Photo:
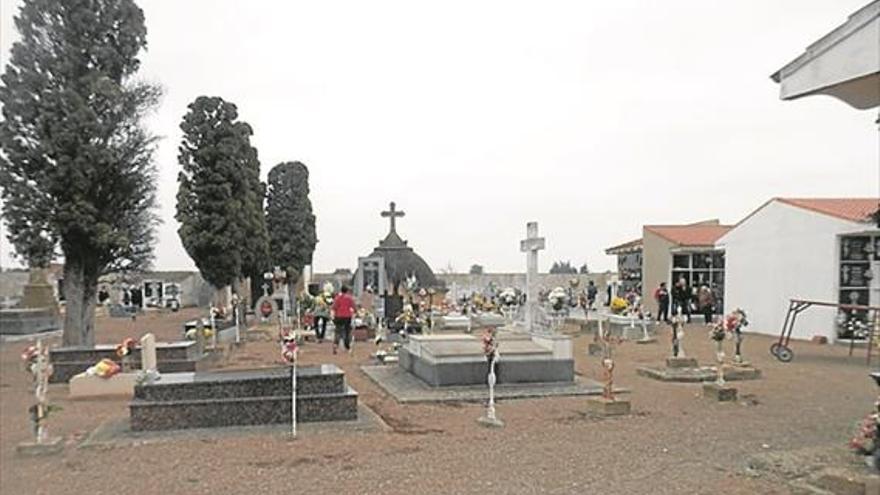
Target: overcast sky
[592,118]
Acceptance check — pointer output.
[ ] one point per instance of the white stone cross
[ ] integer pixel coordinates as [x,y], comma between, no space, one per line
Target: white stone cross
[531,245]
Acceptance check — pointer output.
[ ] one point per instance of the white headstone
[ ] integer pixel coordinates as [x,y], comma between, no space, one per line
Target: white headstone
[148,353]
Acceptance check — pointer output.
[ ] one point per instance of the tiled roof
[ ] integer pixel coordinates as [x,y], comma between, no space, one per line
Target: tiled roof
[634,245]
[852,209]
[690,235]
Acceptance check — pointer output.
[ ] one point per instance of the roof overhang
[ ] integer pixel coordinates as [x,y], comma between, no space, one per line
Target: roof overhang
[695,249]
[844,63]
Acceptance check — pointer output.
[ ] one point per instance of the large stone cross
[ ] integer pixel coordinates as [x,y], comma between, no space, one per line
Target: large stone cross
[531,245]
[393,214]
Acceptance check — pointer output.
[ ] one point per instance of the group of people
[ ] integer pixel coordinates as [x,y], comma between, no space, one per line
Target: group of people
[688,299]
[341,308]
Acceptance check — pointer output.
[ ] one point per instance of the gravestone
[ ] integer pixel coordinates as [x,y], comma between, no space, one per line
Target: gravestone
[453,323]
[27,321]
[38,293]
[393,304]
[149,362]
[244,397]
[451,360]
[120,384]
[39,309]
[170,357]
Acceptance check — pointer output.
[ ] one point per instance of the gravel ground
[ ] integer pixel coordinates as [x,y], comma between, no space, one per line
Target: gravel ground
[675,442]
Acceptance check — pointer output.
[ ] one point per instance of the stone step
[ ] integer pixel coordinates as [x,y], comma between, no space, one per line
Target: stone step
[63,372]
[241,411]
[268,382]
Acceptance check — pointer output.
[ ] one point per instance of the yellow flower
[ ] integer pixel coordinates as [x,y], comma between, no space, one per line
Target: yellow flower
[618,304]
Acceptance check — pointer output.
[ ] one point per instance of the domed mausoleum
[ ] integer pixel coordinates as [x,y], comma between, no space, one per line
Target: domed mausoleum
[391,268]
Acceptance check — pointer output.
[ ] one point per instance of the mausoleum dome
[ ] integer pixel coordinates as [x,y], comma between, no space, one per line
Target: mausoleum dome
[400,261]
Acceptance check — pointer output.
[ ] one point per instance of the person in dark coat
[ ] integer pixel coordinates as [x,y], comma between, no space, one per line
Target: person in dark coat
[681,298]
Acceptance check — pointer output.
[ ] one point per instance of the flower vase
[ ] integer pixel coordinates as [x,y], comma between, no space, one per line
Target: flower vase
[719,356]
[737,357]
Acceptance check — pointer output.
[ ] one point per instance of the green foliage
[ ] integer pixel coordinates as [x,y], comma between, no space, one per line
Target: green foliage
[77,165]
[289,217]
[563,267]
[220,198]
[476,270]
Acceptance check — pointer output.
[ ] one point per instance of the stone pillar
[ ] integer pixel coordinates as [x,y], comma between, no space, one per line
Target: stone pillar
[148,353]
[531,245]
[38,293]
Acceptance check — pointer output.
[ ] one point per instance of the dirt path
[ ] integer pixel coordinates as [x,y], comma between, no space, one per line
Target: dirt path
[675,442]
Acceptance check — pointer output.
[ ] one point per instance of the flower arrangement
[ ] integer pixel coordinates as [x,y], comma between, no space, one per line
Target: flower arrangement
[105,368]
[408,316]
[124,348]
[490,343]
[619,305]
[29,356]
[730,324]
[507,297]
[608,371]
[36,361]
[557,298]
[865,440]
[207,332]
[289,348]
[719,331]
[736,320]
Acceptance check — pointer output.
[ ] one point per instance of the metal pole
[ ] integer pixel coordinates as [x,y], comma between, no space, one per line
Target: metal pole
[213,327]
[293,399]
[236,310]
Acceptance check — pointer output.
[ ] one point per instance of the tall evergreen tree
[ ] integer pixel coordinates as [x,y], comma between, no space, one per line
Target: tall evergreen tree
[76,168]
[289,218]
[220,198]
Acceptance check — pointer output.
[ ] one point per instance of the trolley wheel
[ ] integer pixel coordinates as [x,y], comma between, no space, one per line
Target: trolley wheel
[774,349]
[785,354]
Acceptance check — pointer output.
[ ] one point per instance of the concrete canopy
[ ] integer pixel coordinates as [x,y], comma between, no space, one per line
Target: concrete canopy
[844,63]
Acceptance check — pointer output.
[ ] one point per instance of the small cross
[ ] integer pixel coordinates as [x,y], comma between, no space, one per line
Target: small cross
[532,243]
[393,214]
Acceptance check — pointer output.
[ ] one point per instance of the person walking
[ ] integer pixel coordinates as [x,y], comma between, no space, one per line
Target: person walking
[681,298]
[343,312]
[661,295]
[591,295]
[322,314]
[706,302]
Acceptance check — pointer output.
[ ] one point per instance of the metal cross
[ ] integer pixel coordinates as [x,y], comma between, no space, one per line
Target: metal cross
[393,214]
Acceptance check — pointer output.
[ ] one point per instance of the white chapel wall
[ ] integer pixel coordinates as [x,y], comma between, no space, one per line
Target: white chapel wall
[784,252]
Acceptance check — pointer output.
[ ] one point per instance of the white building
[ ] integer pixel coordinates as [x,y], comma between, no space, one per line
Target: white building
[815,249]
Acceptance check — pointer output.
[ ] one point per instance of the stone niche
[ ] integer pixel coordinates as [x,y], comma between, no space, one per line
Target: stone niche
[451,360]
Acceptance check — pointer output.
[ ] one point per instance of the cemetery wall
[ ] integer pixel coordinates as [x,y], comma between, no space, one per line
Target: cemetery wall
[194,290]
[465,282]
